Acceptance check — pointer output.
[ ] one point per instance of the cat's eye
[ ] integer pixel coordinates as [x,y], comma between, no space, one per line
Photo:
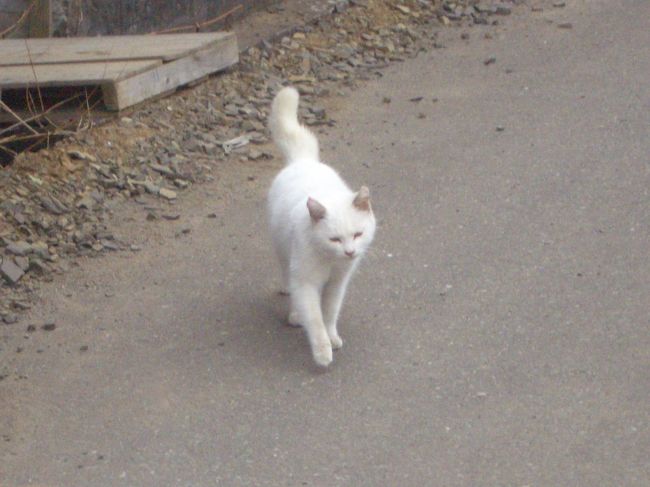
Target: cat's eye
[335,239]
[358,234]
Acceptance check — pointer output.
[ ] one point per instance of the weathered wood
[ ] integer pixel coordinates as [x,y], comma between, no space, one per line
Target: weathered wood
[124,93]
[71,74]
[110,48]
[40,19]
[129,69]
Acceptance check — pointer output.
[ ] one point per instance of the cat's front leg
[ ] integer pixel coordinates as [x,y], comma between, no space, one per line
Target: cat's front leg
[305,302]
[333,295]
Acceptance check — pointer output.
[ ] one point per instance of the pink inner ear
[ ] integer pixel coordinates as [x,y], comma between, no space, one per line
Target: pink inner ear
[362,199]
[316,210]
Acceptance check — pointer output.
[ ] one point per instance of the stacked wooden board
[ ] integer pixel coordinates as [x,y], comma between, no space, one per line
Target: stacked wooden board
[129,69]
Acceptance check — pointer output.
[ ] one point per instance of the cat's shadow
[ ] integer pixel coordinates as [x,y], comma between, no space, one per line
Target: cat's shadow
[260,334]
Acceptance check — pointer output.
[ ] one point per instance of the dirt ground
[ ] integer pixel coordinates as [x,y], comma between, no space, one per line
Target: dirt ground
[496,334]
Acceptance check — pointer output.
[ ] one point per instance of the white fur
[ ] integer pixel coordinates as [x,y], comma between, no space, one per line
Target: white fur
[315,270]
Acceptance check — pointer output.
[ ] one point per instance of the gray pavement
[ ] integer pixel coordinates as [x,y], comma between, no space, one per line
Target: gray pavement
[497,335]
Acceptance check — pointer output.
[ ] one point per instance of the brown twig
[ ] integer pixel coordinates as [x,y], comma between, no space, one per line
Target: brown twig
[47,128]
[8,151]
[39,135]
[31,65]
[17,117]
[20,20]
[200,25]
[35,117]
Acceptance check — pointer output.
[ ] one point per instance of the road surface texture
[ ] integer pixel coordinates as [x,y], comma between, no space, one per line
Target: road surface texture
[497,335]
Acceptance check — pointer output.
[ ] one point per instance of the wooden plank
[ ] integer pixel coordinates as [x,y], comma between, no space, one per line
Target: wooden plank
[40,19]
[169,76]
[109,48]
[72,74]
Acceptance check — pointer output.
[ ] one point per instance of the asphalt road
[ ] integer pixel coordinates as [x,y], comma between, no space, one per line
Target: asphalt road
[497,335]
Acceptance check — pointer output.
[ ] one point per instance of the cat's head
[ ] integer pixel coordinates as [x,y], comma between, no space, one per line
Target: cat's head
[343,228]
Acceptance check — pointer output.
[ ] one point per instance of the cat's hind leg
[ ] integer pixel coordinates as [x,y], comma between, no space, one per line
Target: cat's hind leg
[294,318]
[283,260]
[284,289]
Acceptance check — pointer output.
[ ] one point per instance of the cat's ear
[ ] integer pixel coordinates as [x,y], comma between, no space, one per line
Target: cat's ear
[362,199]
[316,210]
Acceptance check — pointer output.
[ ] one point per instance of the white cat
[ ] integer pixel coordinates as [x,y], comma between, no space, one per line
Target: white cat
[320,229]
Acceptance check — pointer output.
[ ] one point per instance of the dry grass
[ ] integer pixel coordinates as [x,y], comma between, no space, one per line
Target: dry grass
[35,126]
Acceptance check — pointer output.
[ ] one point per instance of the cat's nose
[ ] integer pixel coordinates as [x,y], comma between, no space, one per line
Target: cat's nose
[349,253]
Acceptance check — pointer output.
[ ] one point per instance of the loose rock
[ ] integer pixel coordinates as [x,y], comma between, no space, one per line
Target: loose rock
[19,248]
[49,326]
[167,193]
[10,271]
[9,318]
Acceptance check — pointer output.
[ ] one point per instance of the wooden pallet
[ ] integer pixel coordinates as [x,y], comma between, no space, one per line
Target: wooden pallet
[129,69]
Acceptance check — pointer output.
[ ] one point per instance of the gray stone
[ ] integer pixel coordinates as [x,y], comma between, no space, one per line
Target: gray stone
[38,266]
[19,248]
[10,318]
[53,205]
[22,262]
[403,8]
[151,188]
[502,9]
[49,326]
[255,154]
[318,111]
[21,304]
[41,249]
[110,245]
[167,193]
[20,218]
[487,8]
[83,156]
[86,202]
[10,271]
[166,170]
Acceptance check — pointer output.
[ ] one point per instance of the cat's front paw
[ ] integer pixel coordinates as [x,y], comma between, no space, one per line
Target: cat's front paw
[336,340]
[322,354]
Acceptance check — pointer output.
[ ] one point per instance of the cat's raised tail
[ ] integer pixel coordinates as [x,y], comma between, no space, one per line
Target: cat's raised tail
[296,142]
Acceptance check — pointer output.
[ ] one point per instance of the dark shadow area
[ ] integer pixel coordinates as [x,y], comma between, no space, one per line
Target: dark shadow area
[35,118]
